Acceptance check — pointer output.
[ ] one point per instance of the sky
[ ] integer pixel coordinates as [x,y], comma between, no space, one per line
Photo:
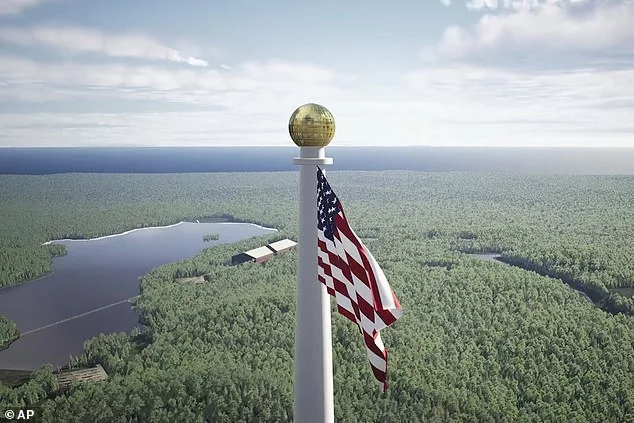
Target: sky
[510,73]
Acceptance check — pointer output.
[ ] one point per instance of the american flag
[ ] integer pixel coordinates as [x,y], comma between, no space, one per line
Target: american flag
[354,278]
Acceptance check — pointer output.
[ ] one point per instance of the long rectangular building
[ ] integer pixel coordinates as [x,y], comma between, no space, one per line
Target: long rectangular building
[258,255]
[281,246]
[262,254]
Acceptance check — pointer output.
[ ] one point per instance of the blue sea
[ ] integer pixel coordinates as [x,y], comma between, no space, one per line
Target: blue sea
[260,159]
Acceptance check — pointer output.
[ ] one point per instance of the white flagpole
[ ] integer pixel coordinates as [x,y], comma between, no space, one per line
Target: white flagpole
[314,400]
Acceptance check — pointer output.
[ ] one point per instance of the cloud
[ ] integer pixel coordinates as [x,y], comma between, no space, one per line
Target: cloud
[564,90]
[251,104]
[431,120]
[481,4]
[32,81]
[549,72]
[521,105]
[447,105]
[454,102]
[544,28]
[15,7]
[446,2]
[484,5]
[302,73]
[77,40]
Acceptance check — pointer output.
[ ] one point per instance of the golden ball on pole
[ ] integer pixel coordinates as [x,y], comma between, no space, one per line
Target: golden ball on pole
[311,125]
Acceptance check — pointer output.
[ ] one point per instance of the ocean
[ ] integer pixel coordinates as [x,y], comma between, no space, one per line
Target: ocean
[40,161]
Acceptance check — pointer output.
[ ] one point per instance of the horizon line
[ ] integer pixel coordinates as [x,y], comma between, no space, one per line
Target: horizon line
[609,147]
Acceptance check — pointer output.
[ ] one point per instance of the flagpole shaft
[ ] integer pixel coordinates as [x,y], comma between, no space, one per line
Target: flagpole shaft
[314,400]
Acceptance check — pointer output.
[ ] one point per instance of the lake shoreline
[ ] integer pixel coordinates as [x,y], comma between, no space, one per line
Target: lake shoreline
[224,222]
[220,220]
[131,257]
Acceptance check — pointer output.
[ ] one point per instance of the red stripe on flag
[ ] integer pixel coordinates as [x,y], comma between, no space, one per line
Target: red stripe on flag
[344,312]
[365,267]
[360,287]
[369,341]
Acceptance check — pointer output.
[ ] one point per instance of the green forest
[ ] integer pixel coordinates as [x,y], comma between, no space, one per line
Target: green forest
[479,341]
[8,332]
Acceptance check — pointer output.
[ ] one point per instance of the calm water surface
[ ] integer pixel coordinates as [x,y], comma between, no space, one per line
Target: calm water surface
[94,274]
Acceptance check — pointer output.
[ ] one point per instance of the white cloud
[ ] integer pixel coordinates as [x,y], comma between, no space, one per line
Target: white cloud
[250,105]
[251,121]
[523,107]
[254,97]
[29,77]
[77,40]
[446,2]
[566,91]
[541,72]
[15,7]
[481,4]
[484,5]
[549,27]
[283,71]
[449,105]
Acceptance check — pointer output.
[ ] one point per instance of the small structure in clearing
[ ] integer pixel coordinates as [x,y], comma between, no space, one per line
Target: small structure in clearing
[195,279]
[68,377]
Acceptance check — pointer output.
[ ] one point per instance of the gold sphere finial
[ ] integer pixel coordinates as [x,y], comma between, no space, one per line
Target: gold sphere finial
[311,125]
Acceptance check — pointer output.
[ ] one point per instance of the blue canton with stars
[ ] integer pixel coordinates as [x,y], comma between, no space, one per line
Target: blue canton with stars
[327,206]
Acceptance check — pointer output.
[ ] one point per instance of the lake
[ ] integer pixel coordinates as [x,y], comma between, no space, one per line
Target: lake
[90,280]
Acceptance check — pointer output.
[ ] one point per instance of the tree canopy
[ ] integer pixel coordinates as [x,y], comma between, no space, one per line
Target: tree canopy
[478,342]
